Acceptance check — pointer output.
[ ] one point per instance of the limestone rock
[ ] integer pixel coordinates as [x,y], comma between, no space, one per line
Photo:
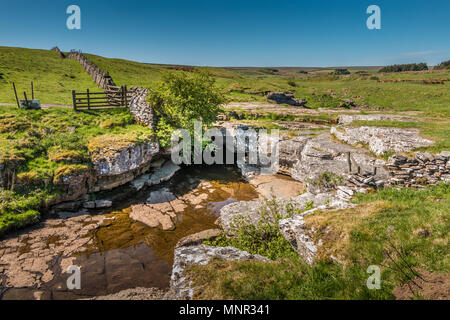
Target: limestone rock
[347,118]
[151,216]
[382,140]
[164,173]
[180,285]
[112,162]
[239,214]
[293,229]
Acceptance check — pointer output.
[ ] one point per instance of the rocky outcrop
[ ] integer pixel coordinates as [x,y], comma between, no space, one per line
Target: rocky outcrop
[382,140]
[423,169]
[198,238]
[320,154]
[115,166]
[294,230]
[285,98]
[180,285]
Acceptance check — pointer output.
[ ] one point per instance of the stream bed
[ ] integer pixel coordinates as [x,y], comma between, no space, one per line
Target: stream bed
[115,252]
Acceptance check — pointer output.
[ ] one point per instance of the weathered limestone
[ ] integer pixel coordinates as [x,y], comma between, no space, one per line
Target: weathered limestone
[180,285]
[153,216]
[382,140]
[198,238]
[321,154]
[109,161]
[294,230]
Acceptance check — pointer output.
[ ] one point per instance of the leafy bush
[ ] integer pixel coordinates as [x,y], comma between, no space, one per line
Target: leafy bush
[338,72]
[405,67]
[181,98]
[263,238]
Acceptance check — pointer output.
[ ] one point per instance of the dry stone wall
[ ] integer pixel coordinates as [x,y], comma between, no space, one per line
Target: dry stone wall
[139,107]
[423,169]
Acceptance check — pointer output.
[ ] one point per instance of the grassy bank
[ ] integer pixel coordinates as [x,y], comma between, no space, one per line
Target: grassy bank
[403,231]
[37,147]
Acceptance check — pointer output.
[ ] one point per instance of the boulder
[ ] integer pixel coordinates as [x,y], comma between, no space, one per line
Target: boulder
[184,257]
[285,98]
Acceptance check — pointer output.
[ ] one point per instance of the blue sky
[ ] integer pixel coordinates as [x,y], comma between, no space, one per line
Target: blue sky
[236,32]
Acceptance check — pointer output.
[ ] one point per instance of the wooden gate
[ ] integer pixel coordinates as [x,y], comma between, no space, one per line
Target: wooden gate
[113,97]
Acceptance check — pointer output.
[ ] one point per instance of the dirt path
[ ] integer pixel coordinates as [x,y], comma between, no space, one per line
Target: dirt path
[43,106]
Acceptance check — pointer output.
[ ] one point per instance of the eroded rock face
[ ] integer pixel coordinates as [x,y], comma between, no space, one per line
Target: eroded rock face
[180,285]
[382,140]
[321,154]
[117,162]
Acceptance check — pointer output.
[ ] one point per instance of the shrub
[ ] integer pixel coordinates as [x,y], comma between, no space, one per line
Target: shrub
[338,72]
[405,67]
[181,98]
[443,65]
[263,238]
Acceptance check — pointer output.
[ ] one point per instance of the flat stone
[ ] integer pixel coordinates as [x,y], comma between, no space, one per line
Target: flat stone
[151,216]
[164,173]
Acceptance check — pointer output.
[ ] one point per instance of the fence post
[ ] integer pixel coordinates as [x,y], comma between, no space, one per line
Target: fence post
[88,100]
[74,99]
[349,161]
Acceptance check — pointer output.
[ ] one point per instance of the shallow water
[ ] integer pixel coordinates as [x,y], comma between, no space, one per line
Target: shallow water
[127,254]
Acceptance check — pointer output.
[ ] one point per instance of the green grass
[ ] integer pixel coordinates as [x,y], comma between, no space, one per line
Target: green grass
[38,146]
[412,226]
[53,78]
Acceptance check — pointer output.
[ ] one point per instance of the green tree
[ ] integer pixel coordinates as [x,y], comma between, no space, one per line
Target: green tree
[182,98]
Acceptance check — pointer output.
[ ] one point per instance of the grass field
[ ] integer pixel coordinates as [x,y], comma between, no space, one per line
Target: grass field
[403,231]
[55,78]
